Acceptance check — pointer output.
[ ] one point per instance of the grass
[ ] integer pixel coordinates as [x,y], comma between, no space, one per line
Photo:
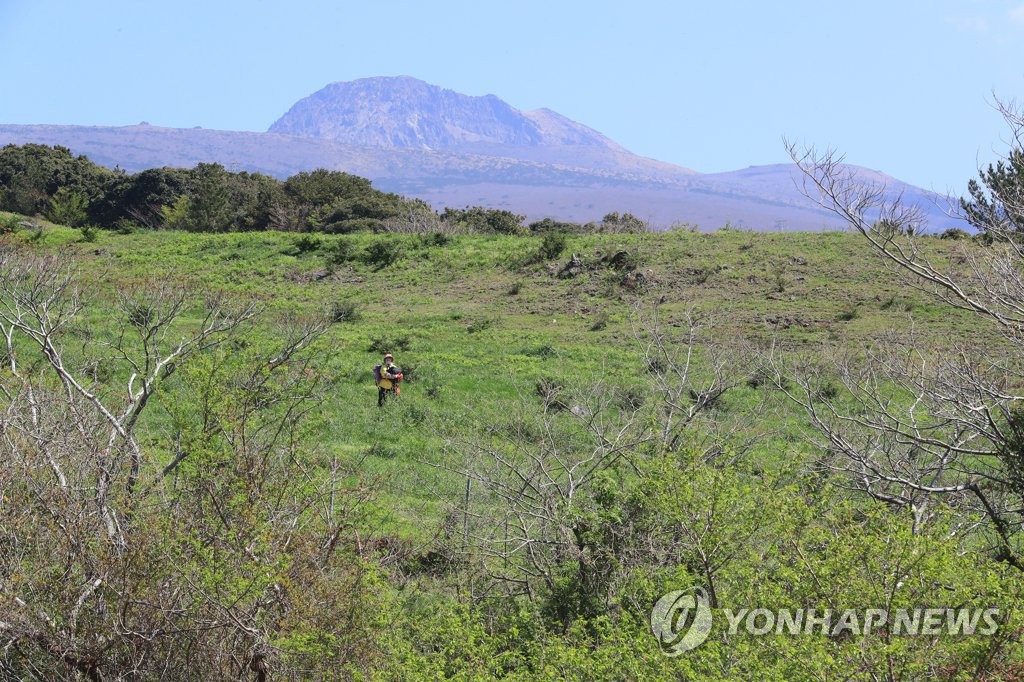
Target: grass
[481,325]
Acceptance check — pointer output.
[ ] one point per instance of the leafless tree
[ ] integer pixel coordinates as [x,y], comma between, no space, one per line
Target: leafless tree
[690,373]
[132,550]
[547,506]
[920,421]
[531,480]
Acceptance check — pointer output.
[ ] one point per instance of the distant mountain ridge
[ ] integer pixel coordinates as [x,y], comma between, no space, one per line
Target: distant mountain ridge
[451,149]
[405,112]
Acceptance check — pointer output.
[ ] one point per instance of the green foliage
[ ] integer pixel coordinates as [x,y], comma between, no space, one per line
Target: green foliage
[340,252]
[209,207]
[176,215]
[344,311]
[549,225]
[994,206]
[9,223]
[89,233]
[307,243]
[389,343]
[615,223]
[32,174]
[955,233]
[339,202]
[380,254]
[435,239]
[484,220]
[552,246]
[142,197]
[68,207]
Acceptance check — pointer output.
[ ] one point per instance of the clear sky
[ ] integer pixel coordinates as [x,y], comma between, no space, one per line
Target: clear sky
[904,87]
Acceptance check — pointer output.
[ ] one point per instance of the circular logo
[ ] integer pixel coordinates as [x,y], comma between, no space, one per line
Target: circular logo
[681,620]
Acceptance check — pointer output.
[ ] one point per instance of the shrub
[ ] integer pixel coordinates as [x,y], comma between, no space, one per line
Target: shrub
[614,223]
[344,311]
[9,224]
[354,225]
[68,207]
[484,220]
[630,398]
[549,390]
[89,233]
[429,239]
[479,325]
[955,233]
[544,351]
[125,226]
[341,253]
[623,260]
[600,321]
[548,225]
[389,344]
[552,245]
[307,243]
[380,255]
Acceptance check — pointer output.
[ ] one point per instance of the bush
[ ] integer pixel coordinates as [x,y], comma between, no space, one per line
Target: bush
[68,207]
[552,246]
[125,226]
[89,233]
[545,351]
[478,325]
[429,239]
[614,223]
[354,225]
[389,344]
[344,311]
[955,233]
[600,321]
[548,225]
[623,260]
[549,390]
[341,253]
[307,243]
[379,255]
[484,220]
[9,224]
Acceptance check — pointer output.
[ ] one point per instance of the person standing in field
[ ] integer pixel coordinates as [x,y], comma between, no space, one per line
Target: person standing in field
[387,375]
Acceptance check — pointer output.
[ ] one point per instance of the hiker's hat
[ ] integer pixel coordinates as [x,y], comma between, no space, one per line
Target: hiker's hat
[389,355]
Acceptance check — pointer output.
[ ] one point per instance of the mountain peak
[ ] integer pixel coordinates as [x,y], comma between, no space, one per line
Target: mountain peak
[404,112]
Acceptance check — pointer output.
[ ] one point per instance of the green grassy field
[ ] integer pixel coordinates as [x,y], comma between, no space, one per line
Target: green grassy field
[480,320]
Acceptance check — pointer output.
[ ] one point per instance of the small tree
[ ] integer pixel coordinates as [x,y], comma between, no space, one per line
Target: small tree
[68,207]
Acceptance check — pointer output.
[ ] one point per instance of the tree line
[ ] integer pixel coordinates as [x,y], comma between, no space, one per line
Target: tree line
[72,190]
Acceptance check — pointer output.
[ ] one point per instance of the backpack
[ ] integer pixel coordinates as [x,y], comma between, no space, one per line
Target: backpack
[376,375]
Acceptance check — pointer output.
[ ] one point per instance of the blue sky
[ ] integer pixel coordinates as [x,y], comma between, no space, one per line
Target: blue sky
[902,87]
